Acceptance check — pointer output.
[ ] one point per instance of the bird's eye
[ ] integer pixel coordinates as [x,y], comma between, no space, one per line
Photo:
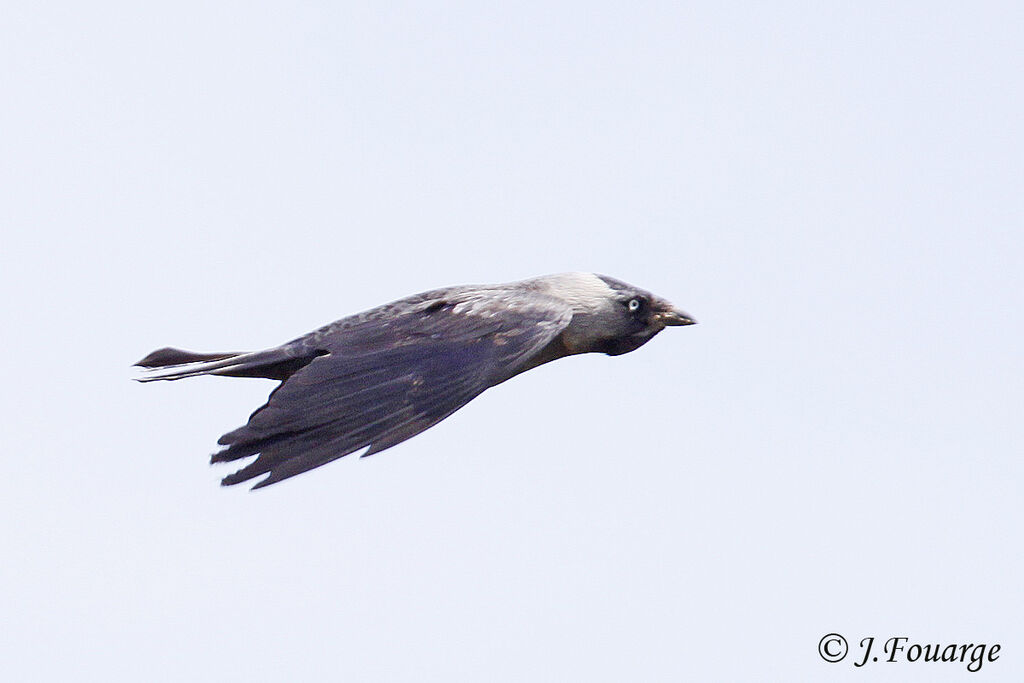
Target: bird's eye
[633,305]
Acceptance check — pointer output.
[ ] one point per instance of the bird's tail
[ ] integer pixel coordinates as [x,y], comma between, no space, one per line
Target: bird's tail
[171,364]
[168,363]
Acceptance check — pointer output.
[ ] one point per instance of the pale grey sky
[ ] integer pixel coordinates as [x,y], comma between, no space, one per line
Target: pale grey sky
[833,190]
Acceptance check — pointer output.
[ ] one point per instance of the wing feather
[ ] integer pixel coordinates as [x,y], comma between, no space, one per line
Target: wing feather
[384,380]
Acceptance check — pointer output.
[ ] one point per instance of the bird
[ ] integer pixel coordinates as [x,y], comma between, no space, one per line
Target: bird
[374,379]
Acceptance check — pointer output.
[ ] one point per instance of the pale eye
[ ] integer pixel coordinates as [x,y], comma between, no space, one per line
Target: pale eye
[634,304]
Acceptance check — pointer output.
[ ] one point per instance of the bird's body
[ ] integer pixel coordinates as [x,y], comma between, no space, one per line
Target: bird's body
[377,378]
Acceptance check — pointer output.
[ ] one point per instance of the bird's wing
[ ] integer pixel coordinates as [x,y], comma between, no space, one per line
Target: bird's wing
[384,380]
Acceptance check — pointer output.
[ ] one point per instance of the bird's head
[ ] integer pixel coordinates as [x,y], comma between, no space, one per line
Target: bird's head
[611,316]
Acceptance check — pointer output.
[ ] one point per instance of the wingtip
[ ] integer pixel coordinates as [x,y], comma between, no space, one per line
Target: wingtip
[232,479]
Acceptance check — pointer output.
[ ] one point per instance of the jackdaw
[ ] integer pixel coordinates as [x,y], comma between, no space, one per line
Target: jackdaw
[377,378]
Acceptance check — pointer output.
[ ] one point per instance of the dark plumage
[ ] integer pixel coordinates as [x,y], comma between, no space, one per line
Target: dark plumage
[377,378]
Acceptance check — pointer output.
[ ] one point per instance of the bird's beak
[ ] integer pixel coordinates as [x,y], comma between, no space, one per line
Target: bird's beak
[672,316]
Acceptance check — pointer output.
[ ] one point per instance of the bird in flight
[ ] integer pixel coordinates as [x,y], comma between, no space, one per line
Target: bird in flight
[377,378]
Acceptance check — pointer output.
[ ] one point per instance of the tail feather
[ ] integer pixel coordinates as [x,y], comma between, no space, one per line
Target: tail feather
[162,358]
[277,363]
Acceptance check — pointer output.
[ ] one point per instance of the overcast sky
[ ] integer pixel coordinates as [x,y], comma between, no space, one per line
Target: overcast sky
[833,191]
